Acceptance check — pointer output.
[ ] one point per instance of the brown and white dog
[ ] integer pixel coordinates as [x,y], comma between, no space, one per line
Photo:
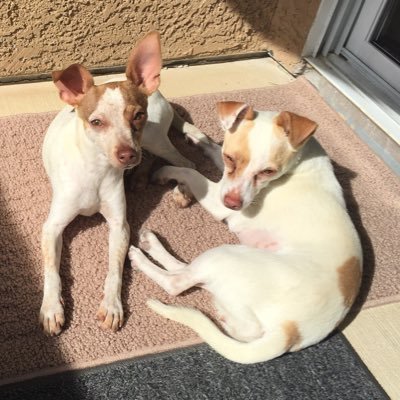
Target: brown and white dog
[85,152]
[297,270]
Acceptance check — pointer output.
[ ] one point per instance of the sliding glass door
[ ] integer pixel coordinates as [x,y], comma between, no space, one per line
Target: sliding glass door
[375,39]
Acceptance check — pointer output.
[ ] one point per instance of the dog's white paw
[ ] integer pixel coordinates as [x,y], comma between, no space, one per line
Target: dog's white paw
[181,195]
[110,314]
[146,239]
[52,317]
[195,135]
[132,254]
[135,255]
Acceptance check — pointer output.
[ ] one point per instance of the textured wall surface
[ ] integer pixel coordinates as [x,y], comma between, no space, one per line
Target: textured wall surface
[38,36]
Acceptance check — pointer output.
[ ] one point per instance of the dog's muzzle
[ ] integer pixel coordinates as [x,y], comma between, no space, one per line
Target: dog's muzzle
[233,200]
[128,157]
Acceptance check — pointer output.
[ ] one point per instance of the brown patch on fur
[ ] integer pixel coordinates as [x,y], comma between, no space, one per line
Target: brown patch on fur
[349,275]
[133,95]
[297,128]
[293,336]
[136,101]
[134,98]
[89,103]
[236,145]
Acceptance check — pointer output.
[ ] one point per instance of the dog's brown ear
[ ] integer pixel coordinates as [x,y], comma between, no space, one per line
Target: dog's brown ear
[232,112]
[72,83]
[145,62]
[297,128]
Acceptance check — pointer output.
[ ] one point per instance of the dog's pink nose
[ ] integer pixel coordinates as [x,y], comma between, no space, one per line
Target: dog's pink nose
[127,155]
[233,200]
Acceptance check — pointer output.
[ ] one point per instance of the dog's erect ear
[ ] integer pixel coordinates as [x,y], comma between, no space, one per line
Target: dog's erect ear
[73,83]
[232,112]
[297,128]
[145,62]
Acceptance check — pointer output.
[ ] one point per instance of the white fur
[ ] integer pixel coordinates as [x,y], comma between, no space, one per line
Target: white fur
[86,179]
[295,235]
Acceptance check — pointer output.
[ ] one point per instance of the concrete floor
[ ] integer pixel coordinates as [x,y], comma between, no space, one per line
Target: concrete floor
[374,333]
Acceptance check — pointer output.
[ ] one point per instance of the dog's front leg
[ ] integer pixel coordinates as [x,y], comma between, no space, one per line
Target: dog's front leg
[110,312]
[51,311]
[206,192]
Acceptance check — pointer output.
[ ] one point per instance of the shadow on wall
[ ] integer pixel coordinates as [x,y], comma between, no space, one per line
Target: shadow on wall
[100,34]
[258,14]
[283,24]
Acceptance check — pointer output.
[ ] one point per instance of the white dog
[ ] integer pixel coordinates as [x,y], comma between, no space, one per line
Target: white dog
[297,270]
[85,152]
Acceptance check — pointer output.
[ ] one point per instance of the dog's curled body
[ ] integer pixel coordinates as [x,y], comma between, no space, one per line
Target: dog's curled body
[297,270]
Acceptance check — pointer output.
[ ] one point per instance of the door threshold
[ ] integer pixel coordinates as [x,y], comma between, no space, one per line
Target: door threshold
[372,117]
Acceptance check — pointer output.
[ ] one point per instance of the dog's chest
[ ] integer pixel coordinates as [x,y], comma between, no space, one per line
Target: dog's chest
[89,202]
[93,193]
[259,238]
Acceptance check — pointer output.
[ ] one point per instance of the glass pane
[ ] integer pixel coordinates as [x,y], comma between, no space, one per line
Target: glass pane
[386,36]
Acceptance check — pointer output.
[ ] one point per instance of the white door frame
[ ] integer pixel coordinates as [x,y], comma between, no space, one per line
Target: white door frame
[325,51]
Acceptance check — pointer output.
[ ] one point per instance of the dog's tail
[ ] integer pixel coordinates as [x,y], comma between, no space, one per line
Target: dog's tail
[189,130]
[269,346]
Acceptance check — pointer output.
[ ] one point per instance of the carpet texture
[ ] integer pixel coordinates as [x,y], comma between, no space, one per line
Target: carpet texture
[330,371]
[372,194]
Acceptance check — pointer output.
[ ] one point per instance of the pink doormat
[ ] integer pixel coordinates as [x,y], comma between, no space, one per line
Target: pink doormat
[372,194]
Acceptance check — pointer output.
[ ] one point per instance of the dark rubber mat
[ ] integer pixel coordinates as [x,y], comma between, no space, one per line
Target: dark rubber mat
[329,370]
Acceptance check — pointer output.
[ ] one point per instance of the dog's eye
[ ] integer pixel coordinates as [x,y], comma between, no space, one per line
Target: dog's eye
[228,159]
[266,173]
[269,171]
[96,122]
[138,116]
[230,163]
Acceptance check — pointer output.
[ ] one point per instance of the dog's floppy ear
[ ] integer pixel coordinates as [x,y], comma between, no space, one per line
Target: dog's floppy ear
[145,62]
[232,112]
[297,128]
[73,83]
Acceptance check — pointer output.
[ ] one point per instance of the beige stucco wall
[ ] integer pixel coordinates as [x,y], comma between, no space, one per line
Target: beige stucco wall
[38,36]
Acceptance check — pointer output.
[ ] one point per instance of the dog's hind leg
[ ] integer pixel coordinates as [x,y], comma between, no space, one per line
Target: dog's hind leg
[206,192]
[197,137]
[152,246]
[173,282]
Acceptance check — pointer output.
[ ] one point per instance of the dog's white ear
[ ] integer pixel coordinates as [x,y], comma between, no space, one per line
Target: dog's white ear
[72,83]
[297,128]
[145,62]
[232,112]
